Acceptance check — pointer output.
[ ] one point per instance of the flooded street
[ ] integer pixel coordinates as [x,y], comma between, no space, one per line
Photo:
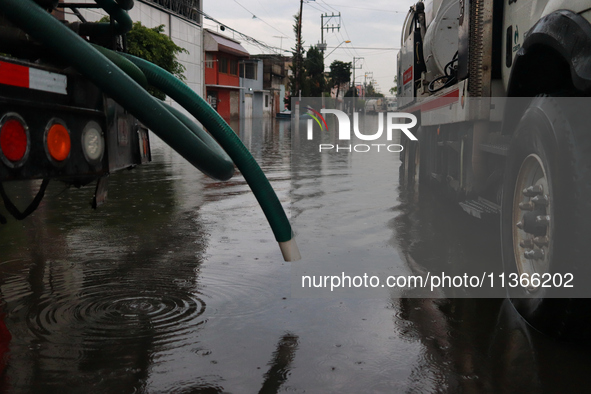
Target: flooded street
[177,285]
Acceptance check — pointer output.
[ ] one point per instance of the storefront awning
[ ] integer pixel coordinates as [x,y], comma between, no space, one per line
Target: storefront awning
[224,86]
[213,42]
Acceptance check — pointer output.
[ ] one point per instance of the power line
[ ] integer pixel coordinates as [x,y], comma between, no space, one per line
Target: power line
[349,52]
[377,49]
[245,37]
[317,9]
[382,76]
[256,17]
[329,5]
[345,27]
[324,7]
[368,9]
[366,51]
[350,49]
[347,33]
[247,10]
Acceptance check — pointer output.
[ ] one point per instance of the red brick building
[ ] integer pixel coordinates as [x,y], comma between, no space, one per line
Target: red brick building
[222,81]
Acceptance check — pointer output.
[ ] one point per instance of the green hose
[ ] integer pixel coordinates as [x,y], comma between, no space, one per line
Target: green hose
[214,150]
[125,4]
[225,136]
[213,154]
[115,83]
[122,22]
[127,66]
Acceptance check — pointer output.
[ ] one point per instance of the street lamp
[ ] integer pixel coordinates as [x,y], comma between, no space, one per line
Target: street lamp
[348,42]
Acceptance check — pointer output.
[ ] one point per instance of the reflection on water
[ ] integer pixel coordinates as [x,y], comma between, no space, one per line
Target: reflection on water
[176,285]
[280,365]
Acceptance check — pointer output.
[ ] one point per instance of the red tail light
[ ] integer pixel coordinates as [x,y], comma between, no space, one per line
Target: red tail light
[14,140]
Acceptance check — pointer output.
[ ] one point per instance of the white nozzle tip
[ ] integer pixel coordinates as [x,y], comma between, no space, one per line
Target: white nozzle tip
[290,250]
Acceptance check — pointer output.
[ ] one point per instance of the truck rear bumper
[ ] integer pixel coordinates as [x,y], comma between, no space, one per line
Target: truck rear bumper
[102,136]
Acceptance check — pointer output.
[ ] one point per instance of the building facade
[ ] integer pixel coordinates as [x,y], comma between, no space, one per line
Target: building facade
[223,56]
[275,79]
[255,101]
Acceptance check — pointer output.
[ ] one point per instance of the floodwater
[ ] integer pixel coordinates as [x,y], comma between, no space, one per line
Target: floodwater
[176,285]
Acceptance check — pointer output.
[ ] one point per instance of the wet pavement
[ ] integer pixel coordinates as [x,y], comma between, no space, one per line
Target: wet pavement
[176,285]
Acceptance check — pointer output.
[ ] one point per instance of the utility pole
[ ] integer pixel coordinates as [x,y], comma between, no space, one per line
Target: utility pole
[355,87]
[355,67]
[370,73]
[298,51]
[332,27]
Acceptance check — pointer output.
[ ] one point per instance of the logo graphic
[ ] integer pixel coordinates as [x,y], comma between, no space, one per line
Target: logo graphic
[316,117]
[517,45]
[390,121]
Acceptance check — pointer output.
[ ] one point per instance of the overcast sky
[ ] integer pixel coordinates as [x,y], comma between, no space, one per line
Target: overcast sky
[374,24]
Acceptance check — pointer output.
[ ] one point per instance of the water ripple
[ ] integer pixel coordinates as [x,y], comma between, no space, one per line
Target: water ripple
[100,306]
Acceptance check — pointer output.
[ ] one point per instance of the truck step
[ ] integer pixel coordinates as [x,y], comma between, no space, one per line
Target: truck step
[481,208]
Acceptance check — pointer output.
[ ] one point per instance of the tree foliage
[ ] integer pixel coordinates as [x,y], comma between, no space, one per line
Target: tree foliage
[314,69]
[351,92]
[298,74]
[340,73]
[370,91]
[156,47]
[394,89]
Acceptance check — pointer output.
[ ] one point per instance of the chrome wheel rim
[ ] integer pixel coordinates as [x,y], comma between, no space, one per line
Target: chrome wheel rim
[532,221]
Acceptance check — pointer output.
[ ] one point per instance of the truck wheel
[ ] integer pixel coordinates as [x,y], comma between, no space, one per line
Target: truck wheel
[410,169]
[405,160]
[546,216]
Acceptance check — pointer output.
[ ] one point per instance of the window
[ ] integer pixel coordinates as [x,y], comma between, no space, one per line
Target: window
[209,60]
[233,67]
[250,70]
[266,101]
[223,65]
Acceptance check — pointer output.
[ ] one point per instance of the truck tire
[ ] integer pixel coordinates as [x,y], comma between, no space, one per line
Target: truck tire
[546,216]
[410,168]
[405,161]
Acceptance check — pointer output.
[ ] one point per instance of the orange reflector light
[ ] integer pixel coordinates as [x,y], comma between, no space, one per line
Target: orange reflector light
[13,140]
[58,142]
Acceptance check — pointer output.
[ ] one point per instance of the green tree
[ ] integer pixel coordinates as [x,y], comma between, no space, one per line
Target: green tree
[298,74]
[340,73]
[156,47]
[370,91]
[394,89]
[314,68]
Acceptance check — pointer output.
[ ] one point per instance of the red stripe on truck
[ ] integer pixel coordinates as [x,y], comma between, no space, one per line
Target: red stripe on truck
[435,102]
[14,75]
